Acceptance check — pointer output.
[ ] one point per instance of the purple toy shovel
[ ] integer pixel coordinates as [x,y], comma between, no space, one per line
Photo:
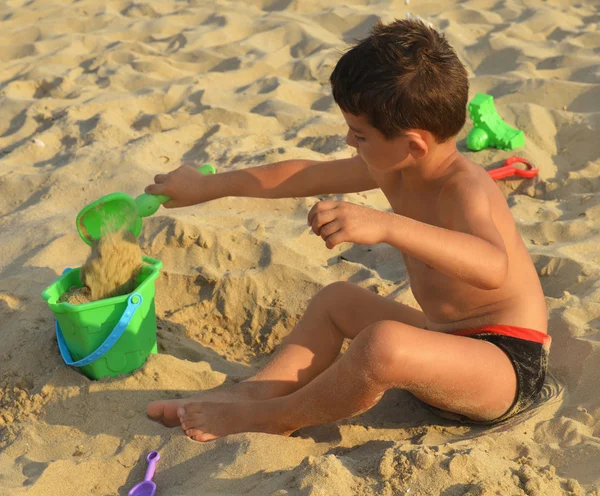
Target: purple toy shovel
[147,487]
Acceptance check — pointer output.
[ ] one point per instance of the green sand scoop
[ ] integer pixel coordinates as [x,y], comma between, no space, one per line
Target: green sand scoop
[119,211]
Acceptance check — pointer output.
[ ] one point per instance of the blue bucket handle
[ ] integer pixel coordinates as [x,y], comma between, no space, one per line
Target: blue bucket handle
[133,302]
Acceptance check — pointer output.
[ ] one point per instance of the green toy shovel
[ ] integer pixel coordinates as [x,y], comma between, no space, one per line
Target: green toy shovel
[119,211]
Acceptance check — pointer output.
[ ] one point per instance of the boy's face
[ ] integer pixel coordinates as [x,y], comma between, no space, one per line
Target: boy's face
[379,154]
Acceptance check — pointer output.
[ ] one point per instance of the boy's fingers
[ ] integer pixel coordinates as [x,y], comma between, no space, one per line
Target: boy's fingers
[169,204]
[335,239]
[311,214]
[320,219]
[318,207]
[160,178]
[154,189]
[329,229]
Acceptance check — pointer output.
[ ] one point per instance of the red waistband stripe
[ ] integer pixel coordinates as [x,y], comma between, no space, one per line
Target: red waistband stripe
[505,330]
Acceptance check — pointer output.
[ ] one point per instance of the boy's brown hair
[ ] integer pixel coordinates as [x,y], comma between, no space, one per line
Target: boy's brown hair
[404,75]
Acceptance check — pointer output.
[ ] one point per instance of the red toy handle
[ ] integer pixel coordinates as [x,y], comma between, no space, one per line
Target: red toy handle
[508,169]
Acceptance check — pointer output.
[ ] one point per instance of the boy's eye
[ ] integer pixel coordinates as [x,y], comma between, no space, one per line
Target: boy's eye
[359,138]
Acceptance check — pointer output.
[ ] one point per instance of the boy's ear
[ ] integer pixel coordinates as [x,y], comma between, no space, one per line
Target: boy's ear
[417,144]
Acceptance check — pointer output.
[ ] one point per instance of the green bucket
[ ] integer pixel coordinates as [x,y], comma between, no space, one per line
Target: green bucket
[106,337]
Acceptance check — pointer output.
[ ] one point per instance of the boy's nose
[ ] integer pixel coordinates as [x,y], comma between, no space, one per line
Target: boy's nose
[351,139]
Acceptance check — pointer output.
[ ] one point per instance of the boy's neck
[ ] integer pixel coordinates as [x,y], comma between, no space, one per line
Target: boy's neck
[432,166]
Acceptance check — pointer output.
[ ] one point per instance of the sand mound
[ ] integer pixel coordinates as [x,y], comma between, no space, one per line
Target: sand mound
[76,295]
[115,92]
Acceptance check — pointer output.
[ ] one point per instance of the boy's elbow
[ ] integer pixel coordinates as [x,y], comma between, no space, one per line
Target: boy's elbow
[496,272]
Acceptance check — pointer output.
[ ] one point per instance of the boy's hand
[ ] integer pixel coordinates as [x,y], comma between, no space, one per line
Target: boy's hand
[339,222]
[183,185]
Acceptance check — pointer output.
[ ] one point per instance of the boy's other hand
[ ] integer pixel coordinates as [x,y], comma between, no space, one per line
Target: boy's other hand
[340,222]
[183,185]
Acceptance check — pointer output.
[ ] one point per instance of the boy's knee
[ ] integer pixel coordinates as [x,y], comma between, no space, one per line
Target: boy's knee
[384,352]
[335,289]
[331,295]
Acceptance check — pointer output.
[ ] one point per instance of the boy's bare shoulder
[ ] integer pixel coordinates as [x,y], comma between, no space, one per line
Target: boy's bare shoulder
[467,182]
[468,197]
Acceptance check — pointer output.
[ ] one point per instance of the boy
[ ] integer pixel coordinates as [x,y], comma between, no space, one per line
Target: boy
[478,346]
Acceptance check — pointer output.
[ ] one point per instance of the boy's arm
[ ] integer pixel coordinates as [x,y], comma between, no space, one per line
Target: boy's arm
[470,249]
[296,178]
[292,178]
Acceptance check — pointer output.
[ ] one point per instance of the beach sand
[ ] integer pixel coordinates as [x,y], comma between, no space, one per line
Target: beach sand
[99,96]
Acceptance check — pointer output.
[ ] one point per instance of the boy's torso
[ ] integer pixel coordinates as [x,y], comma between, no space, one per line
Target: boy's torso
[450,304]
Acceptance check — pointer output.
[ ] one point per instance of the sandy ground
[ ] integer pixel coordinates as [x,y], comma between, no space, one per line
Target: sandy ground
[98,96]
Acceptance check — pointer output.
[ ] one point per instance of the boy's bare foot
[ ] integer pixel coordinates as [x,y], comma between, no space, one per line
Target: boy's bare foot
[165,411]
[207,420]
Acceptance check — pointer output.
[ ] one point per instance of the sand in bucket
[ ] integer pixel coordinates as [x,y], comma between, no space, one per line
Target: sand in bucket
[111,269]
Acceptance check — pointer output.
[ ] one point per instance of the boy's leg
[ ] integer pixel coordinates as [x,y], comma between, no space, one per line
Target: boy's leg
[340,310]
[458,374]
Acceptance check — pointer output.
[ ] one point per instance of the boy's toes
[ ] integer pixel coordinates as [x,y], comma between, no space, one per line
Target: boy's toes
[155,409]
[200,435]
[190,423]
[190,408]
[189,419]
[163,411]
[204,437]
[194,433]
